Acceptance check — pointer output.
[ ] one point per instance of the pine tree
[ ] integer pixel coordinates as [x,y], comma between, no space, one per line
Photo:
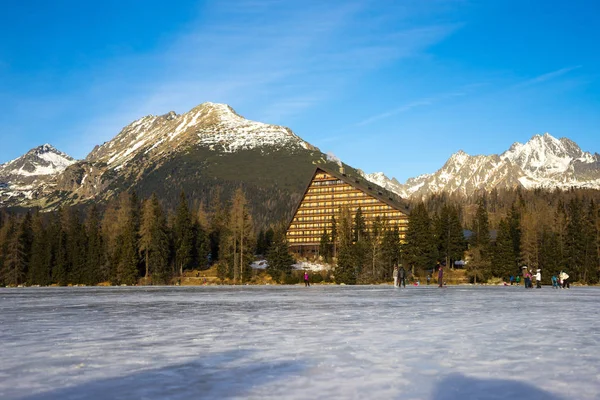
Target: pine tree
[325,246]
[374,241]
[549,252]
[334,236]
[238,239]
[111,232]
[360,247]
[202,216]
[260,243]
[154,241]
[449,235]
[269,237]
[26,239]
[147,227]
[530,241]
[590,264]
[479,268]
[159,249]
[345,271]
[61,267]
[575,239]
[560,227]
[14,257]
[504,260]
[360,226]
[482,226]
[39,268]
[514,224]
[201,242]
[279,259]
[391,249]
[7,230]
[419,249]
[95,269]
[217,224]
[594,216]
[76,247]
[128,225]
[183,235]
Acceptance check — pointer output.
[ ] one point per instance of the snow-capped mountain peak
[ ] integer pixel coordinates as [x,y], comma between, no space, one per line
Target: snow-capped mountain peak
[544,156]
[544,161]
[41,160]
[212,125]
[23,177]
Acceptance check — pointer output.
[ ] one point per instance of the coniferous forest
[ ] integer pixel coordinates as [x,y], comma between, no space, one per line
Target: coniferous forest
[132,240]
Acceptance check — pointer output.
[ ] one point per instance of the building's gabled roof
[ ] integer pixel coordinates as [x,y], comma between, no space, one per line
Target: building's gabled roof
[372,189]
[359,182]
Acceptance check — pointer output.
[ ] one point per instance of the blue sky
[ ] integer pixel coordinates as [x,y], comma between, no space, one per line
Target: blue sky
[392,86]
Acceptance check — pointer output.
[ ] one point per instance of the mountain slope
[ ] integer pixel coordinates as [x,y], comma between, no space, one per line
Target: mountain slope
[542,162]
[209,151]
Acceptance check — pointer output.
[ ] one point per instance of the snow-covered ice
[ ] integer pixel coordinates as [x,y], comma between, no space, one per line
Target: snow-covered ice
[363,342]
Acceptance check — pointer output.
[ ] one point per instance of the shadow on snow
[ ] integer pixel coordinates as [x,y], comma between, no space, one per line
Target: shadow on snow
[212,377]
[460,387]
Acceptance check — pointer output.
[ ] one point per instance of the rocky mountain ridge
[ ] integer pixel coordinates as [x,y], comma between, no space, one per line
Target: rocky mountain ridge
[209,150]
[543,162]
[212,146]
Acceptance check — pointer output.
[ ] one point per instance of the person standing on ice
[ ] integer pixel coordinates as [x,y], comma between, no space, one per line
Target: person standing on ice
[525,278]
[395,275]
[306,280]
[440,276]
[564,279]
[402,277]
[538,279]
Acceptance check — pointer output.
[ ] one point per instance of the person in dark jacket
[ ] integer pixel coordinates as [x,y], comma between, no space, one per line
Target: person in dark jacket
[440,276]
[401,277]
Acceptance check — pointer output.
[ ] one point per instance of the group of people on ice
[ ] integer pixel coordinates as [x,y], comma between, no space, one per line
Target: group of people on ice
[560,281]
[399,276]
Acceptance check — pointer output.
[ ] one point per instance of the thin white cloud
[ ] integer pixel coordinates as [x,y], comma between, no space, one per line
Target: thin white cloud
[546,77]
[429,101]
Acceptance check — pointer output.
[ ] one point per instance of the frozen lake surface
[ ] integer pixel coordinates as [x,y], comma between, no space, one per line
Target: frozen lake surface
[322,342]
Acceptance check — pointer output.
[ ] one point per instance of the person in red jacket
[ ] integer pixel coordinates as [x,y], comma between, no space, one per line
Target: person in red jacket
[440,276]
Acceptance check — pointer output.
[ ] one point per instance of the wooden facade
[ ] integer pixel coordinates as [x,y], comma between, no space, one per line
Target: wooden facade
[328,192]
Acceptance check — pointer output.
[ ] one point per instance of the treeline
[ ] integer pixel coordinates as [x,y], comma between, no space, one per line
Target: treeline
[362,255]
[140,241]
[367,255]
[130,240]
[548,229]
[495,233]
